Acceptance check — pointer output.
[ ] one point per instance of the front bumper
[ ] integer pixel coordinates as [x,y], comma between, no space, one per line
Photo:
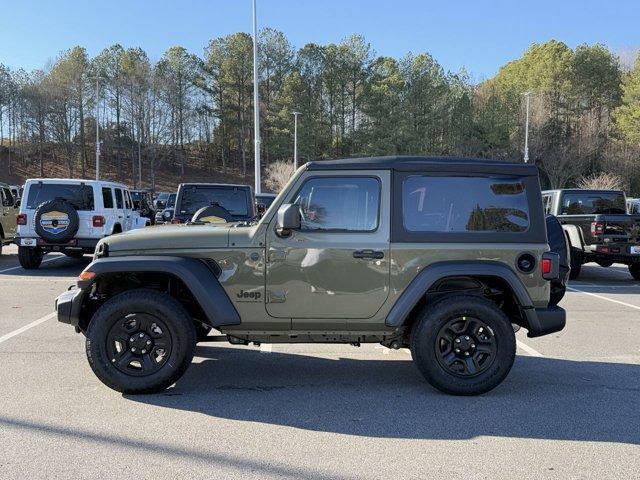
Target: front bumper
[68,306]
[543,321]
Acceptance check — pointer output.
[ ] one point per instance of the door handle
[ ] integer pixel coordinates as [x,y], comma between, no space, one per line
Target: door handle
[368,254]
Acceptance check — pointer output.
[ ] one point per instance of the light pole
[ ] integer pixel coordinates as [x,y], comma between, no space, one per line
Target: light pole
[256,105]
[295,140]
[97,128]
[527,95]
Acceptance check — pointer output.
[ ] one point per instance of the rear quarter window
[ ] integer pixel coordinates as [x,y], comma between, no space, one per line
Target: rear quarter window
[448,204]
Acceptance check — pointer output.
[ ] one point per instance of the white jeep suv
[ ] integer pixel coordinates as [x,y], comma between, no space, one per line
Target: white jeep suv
[71,216]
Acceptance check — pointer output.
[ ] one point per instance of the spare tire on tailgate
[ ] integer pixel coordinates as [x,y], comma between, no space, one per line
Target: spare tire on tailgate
[558,244]
[213,213]
[56,221]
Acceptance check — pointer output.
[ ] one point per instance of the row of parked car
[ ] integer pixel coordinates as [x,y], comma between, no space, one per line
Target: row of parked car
[71,215]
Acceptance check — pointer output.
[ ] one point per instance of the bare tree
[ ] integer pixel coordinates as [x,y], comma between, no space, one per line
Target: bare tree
[278,174]
[602,181]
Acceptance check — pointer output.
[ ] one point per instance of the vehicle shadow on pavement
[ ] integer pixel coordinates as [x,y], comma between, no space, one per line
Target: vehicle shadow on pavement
[543,398]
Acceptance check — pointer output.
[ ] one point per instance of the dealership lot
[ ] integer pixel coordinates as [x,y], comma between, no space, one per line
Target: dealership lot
[569,408]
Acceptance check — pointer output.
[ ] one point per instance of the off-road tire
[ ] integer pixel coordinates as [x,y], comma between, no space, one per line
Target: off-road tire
[160,305]
[425,334]
[634,270]
[30,258]
[575,263]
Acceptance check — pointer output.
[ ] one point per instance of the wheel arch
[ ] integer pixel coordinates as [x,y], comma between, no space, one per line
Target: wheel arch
[492,280]
[191,281]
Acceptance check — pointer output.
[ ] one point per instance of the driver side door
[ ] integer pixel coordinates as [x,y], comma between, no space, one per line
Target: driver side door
[335,267]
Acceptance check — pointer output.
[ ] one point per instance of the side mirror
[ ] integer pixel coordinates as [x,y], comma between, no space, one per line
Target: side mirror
[288,219]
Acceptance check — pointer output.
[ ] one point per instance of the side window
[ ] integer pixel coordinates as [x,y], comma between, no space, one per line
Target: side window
[464,204]
[127,200]
[347,204]
[119,198]
[7,198]
[6,195]
[107,197]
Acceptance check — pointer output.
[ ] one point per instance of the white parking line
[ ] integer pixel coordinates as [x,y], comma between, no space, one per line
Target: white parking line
[604,298]
[530,350]
[9,335]
[43,261]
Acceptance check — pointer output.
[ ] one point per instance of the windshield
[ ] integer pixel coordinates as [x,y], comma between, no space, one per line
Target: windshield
[593,203]
[171,202]
[233,199]
[80,196]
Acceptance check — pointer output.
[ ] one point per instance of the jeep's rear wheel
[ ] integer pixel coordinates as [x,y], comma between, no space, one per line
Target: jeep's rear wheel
[463,345]
[30,258]
[140,341]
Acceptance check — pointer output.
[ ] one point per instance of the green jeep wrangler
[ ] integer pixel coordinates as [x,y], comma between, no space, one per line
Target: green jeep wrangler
[446,256]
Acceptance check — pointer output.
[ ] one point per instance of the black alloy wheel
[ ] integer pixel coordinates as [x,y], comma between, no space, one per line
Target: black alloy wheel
[139,344]
[465,346]
[140,341]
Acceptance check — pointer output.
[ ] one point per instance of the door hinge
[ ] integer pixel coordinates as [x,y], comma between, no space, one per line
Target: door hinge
[277,254]
[276,296]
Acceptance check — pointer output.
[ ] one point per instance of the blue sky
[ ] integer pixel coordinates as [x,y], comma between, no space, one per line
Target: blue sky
[481,35]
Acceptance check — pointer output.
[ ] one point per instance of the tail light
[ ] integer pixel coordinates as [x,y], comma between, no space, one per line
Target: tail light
[176,221]
[550,266]
[21,219]
[97,221]
[597,228]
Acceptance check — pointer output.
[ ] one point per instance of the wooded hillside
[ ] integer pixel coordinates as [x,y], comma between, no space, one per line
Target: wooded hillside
[190,116]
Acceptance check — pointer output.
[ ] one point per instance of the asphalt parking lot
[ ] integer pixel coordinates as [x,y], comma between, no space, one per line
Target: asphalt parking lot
[569,409]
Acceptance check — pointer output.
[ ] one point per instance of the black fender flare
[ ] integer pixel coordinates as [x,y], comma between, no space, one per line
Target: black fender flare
[197,276]
[436,271]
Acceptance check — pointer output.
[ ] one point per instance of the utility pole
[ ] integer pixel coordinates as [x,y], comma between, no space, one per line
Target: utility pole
[526,129]
[295,140]
[97,128]
[256,104]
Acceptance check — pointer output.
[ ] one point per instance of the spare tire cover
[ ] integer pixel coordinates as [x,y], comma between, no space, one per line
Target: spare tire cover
[212,214]
[56,221]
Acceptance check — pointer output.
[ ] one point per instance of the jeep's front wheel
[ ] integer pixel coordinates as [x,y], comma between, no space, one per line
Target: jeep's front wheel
[463,345]
[140,341]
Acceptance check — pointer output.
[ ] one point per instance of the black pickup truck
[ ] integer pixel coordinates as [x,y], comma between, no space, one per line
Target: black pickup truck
[597,226]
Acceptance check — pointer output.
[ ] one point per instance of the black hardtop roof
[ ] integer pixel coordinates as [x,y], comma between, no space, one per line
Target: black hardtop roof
[414,163]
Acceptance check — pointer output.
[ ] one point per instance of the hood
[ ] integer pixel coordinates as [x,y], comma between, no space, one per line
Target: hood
[169,237]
